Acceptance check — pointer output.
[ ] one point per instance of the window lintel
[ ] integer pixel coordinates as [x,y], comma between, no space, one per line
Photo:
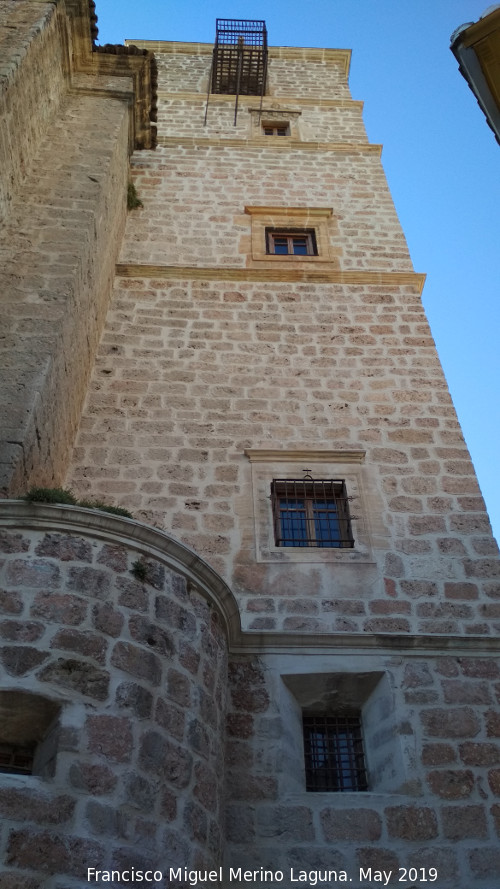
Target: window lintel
[303,212]
[265,455]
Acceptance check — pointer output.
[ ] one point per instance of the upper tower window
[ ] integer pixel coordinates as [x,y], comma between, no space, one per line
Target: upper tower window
[294,242]
[280,129]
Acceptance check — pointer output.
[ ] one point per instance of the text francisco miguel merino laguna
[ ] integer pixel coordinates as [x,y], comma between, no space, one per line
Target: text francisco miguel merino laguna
[239,875]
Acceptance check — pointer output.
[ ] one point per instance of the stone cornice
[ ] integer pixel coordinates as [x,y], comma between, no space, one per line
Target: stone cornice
[20,514]
[270,101]
[311,275]
[405,646]
[273,144]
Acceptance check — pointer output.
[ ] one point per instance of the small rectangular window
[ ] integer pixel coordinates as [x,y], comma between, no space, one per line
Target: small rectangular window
[16,760]
[292,242]
[307,512]
[333,751]
[281,129]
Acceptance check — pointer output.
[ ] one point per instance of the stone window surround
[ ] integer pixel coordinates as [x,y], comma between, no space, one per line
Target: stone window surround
[274,117]
[319,219]
[267,464]
[368,692]
[323,518]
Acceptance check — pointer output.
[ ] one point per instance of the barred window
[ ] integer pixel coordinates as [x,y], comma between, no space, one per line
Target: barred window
[333,751]
[16,760]
[311,513]
[291,242]
[29,731]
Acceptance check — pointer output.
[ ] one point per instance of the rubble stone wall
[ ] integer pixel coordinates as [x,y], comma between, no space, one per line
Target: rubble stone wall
[138,666]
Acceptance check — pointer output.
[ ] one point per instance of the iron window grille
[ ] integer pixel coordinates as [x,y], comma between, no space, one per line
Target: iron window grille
[281,129]
[311,513]
[334,755]
[291,242]
[16,760]
[240,57]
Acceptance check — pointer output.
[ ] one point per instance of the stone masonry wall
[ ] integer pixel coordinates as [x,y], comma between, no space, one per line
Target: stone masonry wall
[442,812]
[139,670]
[195,198]
[298,73]
[56,281]
[32,81]
[190,373]
[64,169]
[332,121]
[213,348]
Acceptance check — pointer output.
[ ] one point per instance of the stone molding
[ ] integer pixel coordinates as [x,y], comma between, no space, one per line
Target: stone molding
[316,212]
[275,100]
[269,455]
[275,144]
[20,514]
[309,276]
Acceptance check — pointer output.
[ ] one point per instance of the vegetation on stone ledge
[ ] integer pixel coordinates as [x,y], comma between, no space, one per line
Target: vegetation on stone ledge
[50,495]
[133,199]
[139,570]
[63,495]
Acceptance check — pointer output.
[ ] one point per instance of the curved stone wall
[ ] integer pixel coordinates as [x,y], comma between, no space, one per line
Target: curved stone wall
[134,661]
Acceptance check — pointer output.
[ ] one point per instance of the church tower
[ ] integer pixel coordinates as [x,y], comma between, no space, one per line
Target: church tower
[268,402]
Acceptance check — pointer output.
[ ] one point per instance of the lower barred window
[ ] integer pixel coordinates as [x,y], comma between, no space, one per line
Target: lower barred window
[16,760]
[334,755]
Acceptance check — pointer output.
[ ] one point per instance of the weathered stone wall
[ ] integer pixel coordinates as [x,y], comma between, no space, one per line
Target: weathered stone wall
[221,368]
[33,72]
[56,279]
[441,811]
[292,71]
[64,170]
[213,348]
[139,668]
[191,373]
[331,121]
[195,198]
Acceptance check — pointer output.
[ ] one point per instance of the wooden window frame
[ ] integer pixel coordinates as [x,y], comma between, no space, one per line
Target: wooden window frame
[275,129]
[291,236]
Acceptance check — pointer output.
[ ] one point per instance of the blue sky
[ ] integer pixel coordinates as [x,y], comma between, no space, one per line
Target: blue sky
[440,157]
